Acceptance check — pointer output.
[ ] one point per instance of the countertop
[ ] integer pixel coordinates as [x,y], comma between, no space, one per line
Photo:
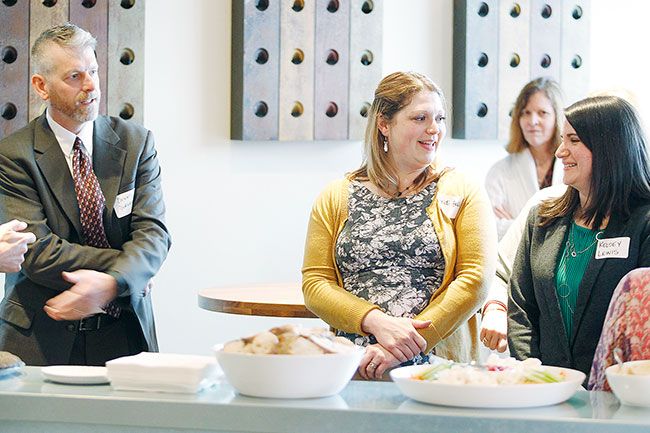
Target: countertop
[30,403]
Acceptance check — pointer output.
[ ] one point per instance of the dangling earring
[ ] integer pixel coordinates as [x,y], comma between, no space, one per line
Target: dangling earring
[385,144]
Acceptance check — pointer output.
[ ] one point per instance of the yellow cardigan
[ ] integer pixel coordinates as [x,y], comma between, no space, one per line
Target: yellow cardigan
[463,220]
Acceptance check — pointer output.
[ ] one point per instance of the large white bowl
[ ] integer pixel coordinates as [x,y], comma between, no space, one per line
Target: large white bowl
[631,389]
[289,376]
[487,396]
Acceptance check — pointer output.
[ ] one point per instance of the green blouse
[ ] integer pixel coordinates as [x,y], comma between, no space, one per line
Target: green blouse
[579,249]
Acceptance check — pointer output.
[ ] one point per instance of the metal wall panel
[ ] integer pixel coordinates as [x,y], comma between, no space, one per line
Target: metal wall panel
[366,22]
[14,66]
[320,64]
[125,92]
[22,21]
[93,17]
[545,38]
[575,56]
[514,58]
[331,79]
[42,16]
[475,69]
[255,70]
[296,106]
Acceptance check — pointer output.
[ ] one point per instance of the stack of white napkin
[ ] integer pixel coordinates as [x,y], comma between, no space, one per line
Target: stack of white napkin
[162,372]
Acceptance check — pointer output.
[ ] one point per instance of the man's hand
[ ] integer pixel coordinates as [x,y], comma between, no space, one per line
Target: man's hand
[13,245]
[91,290]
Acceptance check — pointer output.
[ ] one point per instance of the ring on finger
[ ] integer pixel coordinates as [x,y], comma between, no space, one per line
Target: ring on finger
[372,365]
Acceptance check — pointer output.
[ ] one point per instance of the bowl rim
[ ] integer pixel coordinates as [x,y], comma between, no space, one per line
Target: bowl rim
[577,380]
[356,351]
[613,369]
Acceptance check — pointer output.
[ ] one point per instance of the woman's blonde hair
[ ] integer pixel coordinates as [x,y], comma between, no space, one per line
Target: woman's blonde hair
[551,89]
[393,93]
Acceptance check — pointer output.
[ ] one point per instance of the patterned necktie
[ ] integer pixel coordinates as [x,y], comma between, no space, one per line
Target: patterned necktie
[89,196]
[91,205]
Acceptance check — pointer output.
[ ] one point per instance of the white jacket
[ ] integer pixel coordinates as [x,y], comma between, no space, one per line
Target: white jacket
[511,181]
[509,244]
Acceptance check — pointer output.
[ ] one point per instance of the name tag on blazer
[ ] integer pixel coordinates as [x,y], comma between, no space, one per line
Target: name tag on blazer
[613,248]
[124,203]
[450,204]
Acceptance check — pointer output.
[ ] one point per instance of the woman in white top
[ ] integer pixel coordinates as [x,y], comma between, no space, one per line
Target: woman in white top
[531,164]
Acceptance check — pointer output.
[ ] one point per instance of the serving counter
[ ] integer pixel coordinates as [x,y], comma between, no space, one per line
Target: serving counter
[30,404]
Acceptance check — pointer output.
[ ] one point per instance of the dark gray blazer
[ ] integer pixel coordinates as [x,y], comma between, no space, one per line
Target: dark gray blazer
[535,327]
[36,186]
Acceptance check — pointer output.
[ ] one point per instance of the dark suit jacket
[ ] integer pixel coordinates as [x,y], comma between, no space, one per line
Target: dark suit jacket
[535,327]
[36,186]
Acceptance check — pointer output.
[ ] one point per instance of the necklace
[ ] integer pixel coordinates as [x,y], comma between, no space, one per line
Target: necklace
[399,193]
[571,247]
[564,292]
[410,186]
[403,192]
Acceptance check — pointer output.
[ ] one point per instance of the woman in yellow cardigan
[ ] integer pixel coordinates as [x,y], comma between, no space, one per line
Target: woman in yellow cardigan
[400,253]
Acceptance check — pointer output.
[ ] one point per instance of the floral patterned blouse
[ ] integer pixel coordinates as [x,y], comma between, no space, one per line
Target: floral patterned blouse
[388,253]
[627,326]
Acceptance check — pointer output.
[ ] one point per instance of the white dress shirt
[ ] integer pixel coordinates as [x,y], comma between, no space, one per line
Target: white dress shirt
[66,138]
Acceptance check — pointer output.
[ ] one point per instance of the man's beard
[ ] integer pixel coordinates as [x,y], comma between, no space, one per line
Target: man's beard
[80,113]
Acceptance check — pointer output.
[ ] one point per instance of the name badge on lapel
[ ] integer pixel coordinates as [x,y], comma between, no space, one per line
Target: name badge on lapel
[450,204]
[124,203]
[613,248]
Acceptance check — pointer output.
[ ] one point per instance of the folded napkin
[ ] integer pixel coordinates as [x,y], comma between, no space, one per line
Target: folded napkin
[162,372]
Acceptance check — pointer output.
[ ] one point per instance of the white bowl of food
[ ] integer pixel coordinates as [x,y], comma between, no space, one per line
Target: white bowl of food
[505,384]
[289,362]
[631,382]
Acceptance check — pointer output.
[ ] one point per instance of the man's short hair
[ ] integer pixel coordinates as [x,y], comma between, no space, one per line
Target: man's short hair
[66,36]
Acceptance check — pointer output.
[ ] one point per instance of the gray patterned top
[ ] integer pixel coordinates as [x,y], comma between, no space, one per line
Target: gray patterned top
[388,253]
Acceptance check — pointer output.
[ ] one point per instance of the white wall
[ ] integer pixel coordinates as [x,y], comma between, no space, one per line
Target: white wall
[619,63]
[238,210]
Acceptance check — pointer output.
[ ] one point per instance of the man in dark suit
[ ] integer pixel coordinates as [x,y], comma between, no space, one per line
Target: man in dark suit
[88,187]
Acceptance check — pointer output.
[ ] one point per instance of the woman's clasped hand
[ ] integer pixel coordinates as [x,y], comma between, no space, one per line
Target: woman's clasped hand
[397,341]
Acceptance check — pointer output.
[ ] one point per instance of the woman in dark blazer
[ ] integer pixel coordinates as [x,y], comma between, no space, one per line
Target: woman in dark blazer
[578,246]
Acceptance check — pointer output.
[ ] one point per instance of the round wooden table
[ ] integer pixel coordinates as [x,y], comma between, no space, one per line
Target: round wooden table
[276,300]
